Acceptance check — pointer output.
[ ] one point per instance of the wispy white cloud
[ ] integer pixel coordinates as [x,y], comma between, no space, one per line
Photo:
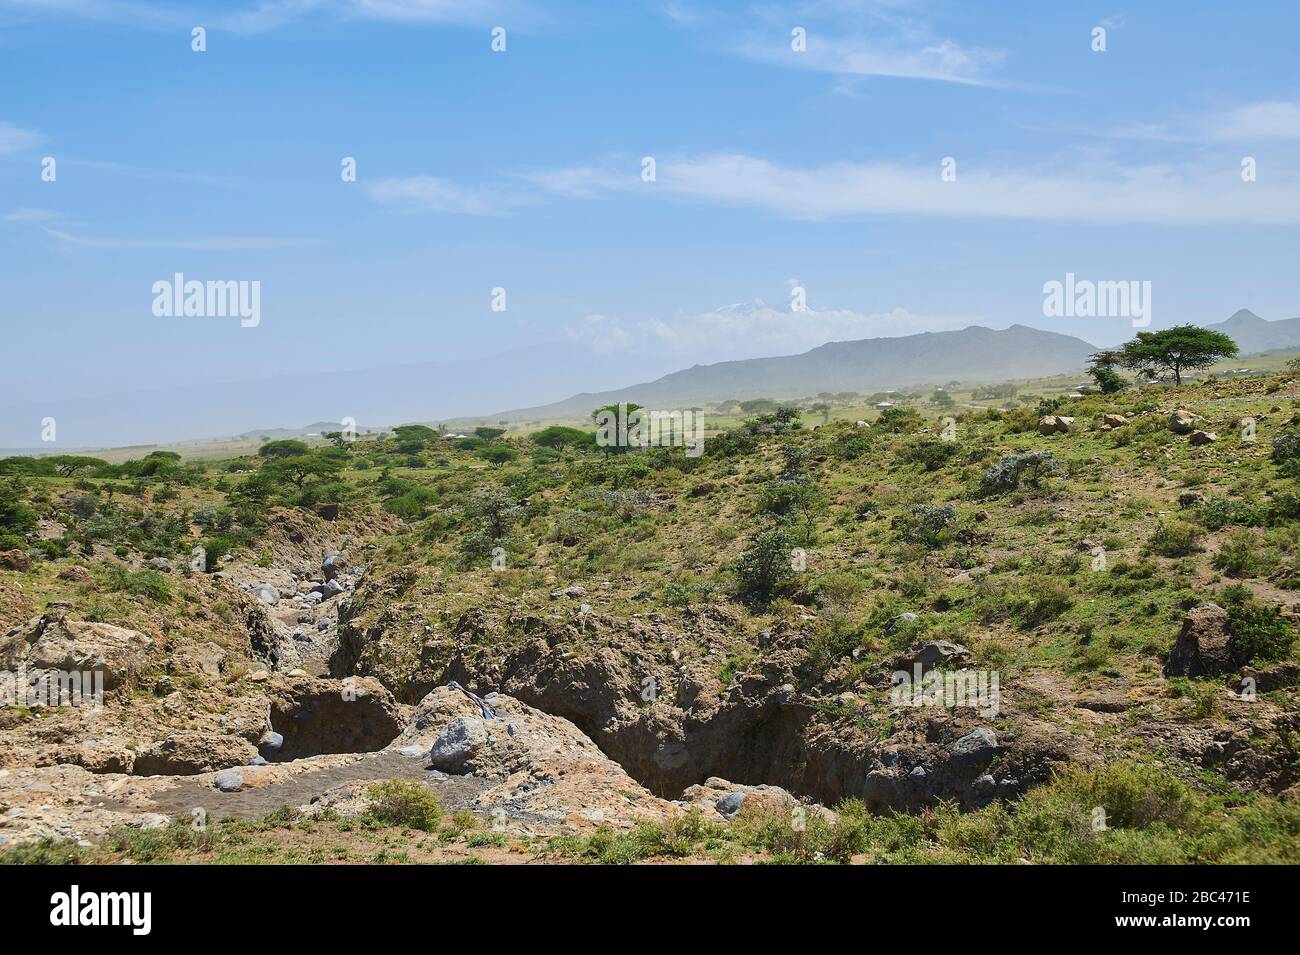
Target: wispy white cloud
[207,244]
[1275,119]
[1099,191]
[858,56]
[258,16]
[680,13]
[15,139]
[852,39]
[433,194]
[1242,125]
[27,216]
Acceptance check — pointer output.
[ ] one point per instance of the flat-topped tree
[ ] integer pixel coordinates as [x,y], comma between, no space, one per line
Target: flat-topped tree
[1177,349]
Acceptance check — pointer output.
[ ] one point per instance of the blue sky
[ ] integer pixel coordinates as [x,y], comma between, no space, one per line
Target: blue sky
[522,169]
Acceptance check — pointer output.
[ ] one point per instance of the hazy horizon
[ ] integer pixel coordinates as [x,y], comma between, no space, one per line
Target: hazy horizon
[387,180]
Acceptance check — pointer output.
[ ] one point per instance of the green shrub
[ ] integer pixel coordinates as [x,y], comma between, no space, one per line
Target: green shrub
[139,583]
[1243,556]
[1260,633]
[928,525]
[899,421]
[930,453]
[765,566]
[405,802]
[1174,539]
[1029,467]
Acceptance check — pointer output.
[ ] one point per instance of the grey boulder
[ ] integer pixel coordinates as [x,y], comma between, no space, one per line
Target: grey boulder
[458,743]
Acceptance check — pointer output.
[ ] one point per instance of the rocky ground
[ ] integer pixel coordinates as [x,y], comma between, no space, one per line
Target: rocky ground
[608,684]
[241,734]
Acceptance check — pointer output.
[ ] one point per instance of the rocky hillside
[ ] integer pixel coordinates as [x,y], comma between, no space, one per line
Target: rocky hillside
[1061,631]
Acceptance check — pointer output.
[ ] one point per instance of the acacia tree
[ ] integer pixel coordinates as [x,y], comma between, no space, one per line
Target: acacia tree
[1103,371]
[69,464]
[610,414]
[1176,350]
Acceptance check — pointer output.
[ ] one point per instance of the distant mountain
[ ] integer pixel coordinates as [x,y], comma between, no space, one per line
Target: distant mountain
[449,391]
[1254,335]
[274,407]
[316,428]
[974,354]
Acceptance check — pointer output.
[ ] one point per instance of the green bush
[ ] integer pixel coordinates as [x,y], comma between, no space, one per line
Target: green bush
[930,453]
[899,421]
[1259,632]
[765,566]
[1029,467]
[1243,556]
[139,583]
[928,525]
[1174,539]
[404,802]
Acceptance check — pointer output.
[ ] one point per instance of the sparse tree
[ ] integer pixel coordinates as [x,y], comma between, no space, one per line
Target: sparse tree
[1175,350]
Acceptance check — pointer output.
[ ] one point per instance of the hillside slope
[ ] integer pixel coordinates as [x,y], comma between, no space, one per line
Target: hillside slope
[687,648]
[973,354]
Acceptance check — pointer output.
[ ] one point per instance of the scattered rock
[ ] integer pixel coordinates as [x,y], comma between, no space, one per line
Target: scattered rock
[1278,677]
[896,622]
[267,594]
[188,753]
[976,746]
[53,642]
[932,654]
[230,780]
[1203,437]
[1182,422]
[1204,646]
[730,804]
[457,744]
[15,560]
[1054,424]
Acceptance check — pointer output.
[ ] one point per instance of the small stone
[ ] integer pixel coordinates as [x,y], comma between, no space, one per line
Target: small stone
[976,745]
[1182,422]
[230,780]
[267,594]
[730,804]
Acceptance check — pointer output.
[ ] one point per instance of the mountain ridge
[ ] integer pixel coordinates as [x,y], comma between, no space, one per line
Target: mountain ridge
[975,353]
